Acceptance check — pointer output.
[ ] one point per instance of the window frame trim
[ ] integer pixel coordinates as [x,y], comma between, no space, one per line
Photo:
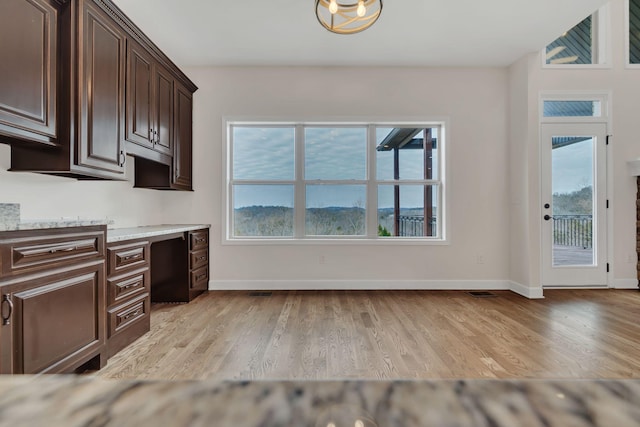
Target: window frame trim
[371,183]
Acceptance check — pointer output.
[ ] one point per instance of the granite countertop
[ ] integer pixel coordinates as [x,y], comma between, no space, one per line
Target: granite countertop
[85,401]
[56,223]
[130,233]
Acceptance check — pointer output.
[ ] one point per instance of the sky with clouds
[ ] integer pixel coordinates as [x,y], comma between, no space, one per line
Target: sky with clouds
[268,153]
[572,167]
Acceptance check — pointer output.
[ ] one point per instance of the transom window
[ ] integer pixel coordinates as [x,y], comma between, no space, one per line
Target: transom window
[335,181]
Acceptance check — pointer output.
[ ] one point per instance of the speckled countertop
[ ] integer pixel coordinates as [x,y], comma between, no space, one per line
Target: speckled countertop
[56,223]
[130,233]
[84,401]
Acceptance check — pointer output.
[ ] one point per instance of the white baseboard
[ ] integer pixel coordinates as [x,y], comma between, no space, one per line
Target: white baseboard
[625,284]
[526,291]
[273,285]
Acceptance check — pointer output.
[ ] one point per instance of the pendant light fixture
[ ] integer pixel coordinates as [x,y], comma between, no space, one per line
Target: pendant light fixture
[348,16]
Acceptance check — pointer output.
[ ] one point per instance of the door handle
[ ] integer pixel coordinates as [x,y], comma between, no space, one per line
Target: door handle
[547,217]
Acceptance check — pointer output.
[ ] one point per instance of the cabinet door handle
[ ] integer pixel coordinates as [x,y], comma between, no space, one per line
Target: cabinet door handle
[6,320]
[123,158]
[151,136]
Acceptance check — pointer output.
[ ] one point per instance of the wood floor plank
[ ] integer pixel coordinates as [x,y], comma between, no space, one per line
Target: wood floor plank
[388,335]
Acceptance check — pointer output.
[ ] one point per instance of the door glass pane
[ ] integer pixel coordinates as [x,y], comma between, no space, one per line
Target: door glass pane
[335,210]
[402,210]
[263,210]
[573,200]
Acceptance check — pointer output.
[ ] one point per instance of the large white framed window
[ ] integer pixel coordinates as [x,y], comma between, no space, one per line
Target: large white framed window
[632,30]
[350,182]
[586,45]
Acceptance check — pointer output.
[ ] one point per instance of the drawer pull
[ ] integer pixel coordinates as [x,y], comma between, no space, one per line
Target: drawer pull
[132,314]
[130,285]
[202,258]
[201,240]
[201,276]
[7,320]
[66,249]
[130,257]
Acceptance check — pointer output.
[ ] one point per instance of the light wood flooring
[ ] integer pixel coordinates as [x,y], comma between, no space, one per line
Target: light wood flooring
[388,335]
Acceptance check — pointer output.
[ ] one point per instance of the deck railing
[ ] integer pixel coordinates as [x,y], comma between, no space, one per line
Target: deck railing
[413,225]
[573,230]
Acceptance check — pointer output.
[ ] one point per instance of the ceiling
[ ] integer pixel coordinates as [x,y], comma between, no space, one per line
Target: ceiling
[408,32]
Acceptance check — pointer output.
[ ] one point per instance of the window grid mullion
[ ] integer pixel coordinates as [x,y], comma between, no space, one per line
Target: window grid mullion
[299,205]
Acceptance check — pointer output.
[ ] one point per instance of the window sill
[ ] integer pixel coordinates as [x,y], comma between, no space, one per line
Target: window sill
[338,242]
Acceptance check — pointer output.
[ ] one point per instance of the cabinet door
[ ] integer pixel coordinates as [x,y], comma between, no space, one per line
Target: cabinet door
[101,88]
[163,128]
[139,96]
[56,322]
[182,161]
[28,70]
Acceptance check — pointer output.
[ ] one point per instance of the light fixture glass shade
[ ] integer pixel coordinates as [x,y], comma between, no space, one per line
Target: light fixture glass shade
[349,18]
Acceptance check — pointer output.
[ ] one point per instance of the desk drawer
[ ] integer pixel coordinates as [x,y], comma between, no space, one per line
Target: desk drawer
[32,253]
[199,240]
[198,259]
[124,287]
[126,257]
[127,314]
[200,278]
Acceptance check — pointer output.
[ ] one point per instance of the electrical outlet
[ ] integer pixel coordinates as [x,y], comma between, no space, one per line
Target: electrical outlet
[480,259]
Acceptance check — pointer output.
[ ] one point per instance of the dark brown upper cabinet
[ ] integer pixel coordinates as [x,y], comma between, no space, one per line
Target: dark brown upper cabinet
[81,87]
[149,104]
[183,156]
[28,70]
[101,89]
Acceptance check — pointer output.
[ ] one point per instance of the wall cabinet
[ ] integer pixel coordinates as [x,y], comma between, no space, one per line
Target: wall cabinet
[83,87]
[28,70]
[149,102]
[52,300]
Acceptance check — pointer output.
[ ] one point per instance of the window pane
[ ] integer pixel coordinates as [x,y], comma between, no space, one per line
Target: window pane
[402,210]
[572,108]
[263,210]
[263,153]
[335,210]
[634,31]
[573,47]
[408,144]
[335,153]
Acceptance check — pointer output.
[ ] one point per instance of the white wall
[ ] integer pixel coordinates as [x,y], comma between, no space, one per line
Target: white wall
[50,197]
[474,100]
[624,85]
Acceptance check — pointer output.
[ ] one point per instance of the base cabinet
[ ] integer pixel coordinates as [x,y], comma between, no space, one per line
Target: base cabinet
[128,298]
[53,318]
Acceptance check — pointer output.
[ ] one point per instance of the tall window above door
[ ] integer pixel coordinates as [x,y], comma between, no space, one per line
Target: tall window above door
[633,32]
[584,45]
[335,181]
